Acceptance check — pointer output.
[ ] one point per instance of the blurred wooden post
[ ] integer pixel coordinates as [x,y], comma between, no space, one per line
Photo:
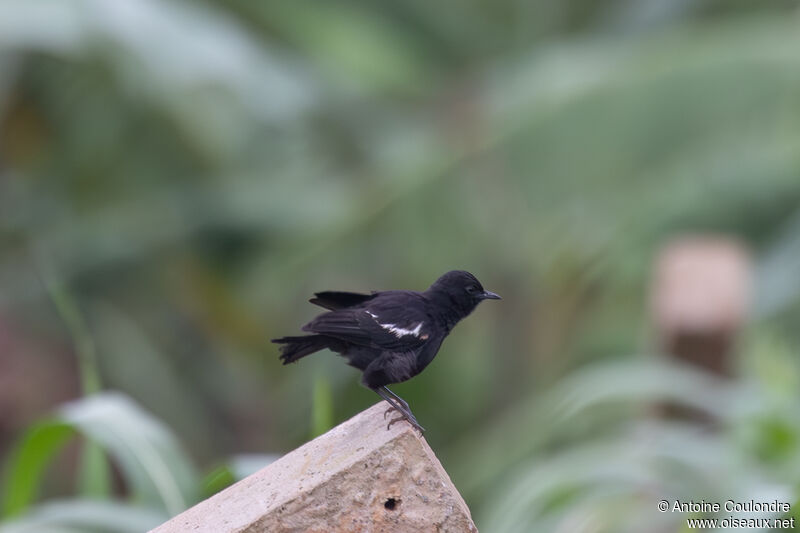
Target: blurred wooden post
[700,299]
[357,477]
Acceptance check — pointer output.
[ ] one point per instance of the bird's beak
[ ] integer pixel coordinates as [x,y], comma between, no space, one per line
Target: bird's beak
[489,295]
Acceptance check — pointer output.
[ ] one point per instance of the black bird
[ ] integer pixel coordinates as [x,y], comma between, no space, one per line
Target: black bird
[390,336]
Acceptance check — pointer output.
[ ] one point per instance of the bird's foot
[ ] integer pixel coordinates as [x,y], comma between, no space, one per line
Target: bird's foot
[392,408]
[402,417]
[397,404]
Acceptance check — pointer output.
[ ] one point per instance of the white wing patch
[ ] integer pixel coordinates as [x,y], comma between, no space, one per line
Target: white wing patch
[396,330]
[402,332]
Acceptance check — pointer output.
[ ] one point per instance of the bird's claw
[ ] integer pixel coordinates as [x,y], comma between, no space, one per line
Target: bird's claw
[405,414]
[413,423]
[409,417]
[393,420]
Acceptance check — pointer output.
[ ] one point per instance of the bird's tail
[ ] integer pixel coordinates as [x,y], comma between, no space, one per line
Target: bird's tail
[296,347]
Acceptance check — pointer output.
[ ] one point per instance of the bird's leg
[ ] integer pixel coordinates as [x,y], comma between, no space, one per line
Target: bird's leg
[396,397]
[404,410]
[395,405]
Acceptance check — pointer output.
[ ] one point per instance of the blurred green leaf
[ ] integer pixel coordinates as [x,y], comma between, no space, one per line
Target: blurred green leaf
[236,469]
[27,462]
[152,462]
[94,477]
[592,400]
[73,319]
[777,283]
[95,472]
[217,479]
[321,406]
[155,468]
[265,83]
[354,44]
[85,516]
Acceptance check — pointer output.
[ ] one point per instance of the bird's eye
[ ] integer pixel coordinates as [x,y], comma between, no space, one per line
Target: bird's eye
[472,289]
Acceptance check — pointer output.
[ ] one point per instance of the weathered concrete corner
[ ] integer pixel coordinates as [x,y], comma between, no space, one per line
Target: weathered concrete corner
[357,477]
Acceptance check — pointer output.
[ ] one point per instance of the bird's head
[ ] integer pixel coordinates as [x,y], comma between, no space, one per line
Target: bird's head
[461,290]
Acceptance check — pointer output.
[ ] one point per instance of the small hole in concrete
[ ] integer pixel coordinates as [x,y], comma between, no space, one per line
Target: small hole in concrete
[391,504]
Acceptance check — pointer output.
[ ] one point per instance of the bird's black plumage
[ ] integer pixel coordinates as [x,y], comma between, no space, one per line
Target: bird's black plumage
[390,336]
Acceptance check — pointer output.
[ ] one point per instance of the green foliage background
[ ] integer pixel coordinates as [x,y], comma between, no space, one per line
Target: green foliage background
[176,178]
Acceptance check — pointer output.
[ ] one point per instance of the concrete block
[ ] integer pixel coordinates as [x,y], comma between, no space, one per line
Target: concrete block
[358,477]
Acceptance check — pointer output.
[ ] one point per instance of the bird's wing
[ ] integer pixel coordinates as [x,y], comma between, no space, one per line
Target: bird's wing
[333,300]
[393,325]
[342,324]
